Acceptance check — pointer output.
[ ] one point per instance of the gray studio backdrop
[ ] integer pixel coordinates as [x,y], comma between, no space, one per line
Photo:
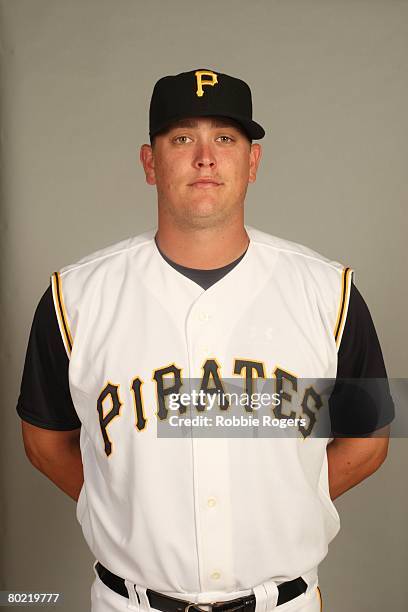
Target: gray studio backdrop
[329,85]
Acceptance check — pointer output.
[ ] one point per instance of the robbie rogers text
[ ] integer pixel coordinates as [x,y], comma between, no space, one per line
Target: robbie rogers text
[234,421]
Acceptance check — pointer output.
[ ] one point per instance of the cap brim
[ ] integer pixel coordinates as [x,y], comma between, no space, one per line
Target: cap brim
[253,129]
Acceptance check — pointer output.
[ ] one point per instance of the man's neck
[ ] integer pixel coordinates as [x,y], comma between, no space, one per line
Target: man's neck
[203,248]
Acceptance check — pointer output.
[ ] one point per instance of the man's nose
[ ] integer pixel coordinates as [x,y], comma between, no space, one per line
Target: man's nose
[205,157]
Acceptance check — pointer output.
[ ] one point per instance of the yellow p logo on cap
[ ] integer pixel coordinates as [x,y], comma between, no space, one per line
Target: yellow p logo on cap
[199,74]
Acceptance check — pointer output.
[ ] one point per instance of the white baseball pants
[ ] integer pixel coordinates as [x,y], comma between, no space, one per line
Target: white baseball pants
[103,599]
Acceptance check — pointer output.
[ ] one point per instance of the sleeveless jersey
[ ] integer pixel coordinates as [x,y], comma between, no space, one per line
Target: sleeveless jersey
[198,516]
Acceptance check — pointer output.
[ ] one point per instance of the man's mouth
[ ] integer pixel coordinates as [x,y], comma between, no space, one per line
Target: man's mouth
[205,183]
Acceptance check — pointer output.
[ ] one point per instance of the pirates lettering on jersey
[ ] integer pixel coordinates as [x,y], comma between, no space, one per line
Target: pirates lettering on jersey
[310,394]
[250,368]
[169,382]
[110,391]
[211,373]
[163,391]
[138,403]
[280,376]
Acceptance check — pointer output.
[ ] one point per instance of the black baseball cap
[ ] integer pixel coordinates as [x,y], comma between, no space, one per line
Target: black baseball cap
[202,93]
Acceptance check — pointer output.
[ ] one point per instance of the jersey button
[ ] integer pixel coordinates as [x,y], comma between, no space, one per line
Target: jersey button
[204,316]
[211,501]
[216,575]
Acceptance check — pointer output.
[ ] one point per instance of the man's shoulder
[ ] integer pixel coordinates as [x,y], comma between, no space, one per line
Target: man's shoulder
[293,252]
[108,256]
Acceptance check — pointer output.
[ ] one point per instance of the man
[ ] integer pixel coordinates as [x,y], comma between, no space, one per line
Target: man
[174,522]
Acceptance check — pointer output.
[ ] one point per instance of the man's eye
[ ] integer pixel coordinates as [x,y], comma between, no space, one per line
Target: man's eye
[225,138]
[181,139]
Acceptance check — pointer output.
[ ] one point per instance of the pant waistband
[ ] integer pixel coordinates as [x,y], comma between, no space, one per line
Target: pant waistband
[266,595]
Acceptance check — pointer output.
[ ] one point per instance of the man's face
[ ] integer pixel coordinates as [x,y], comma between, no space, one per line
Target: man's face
[201,168]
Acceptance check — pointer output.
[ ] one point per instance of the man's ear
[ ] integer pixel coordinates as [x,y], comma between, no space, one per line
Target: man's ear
[147,160]
[254,159]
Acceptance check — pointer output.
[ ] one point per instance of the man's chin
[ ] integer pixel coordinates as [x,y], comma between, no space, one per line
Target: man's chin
[203,217]
[200,213]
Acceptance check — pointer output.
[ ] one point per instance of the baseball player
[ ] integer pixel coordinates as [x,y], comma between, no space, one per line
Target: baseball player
[198,523]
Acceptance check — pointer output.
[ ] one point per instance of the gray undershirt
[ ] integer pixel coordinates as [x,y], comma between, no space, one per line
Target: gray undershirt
[204,278]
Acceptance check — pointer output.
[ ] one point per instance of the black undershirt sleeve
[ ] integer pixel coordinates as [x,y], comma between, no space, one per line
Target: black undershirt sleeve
[361,402]
[45,399]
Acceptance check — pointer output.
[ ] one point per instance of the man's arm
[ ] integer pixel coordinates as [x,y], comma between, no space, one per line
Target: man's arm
[362,377]
[351,460]
[57,455]
[50,424]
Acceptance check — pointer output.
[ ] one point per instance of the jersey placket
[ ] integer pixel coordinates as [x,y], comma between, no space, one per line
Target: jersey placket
[211,463]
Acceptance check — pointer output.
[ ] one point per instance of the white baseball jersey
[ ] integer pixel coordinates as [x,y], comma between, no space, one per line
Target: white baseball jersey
[201,515]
